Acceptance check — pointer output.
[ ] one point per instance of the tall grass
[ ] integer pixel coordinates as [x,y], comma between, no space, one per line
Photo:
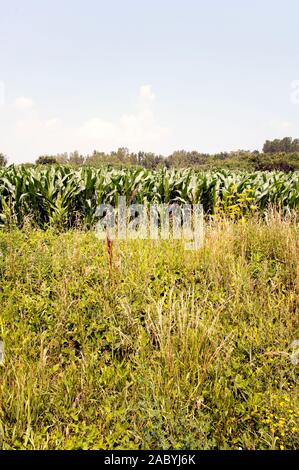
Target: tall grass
[173,349]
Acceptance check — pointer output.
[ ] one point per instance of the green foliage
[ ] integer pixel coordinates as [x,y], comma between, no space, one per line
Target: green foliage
[285,158]
[174,349]
[65,197]
[46,160]
[239,160]
[236,205]
[286,162]
[287,145]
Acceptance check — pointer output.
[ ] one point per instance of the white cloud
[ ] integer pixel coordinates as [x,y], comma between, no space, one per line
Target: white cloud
[52,123]
[24,103]
[25,136]
[131,129]
[97,128]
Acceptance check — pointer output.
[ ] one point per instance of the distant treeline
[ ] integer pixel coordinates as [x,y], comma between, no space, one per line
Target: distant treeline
[279,154]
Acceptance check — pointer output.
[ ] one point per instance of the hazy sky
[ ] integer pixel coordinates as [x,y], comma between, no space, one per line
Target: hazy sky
[153,75]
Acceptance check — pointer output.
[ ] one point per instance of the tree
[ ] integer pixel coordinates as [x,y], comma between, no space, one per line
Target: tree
[62,158]
[75,158]
[287,145]
[46,160]
[3,160]
[149,160]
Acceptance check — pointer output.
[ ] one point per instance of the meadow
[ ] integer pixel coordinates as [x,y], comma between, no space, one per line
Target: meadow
[169,348]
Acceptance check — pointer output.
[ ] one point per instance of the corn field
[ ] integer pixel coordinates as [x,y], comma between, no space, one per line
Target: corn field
[68,197]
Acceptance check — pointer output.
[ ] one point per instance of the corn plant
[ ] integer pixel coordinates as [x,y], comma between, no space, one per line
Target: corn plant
[65,197]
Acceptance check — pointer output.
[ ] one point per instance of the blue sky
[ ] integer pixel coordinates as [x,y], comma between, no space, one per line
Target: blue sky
[156,75]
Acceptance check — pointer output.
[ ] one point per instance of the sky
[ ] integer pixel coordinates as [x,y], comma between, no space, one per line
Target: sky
[152,75]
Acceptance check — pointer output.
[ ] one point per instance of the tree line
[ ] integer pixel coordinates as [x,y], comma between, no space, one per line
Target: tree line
[278,154]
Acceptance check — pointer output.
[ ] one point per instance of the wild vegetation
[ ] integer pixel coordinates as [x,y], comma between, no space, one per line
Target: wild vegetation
[169,349]
[142,344]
